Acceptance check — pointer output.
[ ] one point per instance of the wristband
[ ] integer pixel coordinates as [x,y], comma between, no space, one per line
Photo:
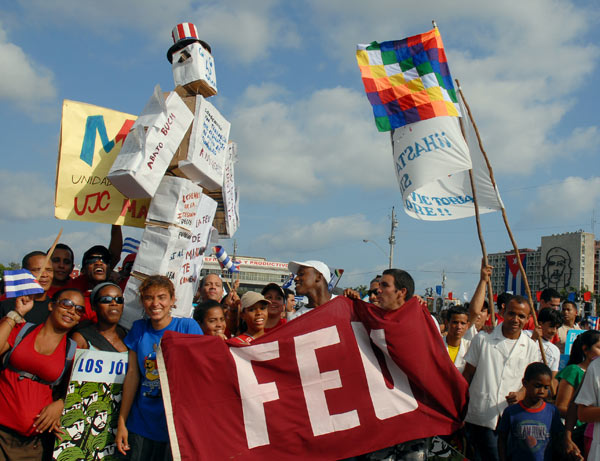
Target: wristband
[14,315]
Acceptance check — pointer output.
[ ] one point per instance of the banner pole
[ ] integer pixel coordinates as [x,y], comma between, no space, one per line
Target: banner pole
[479,233]
[505,219]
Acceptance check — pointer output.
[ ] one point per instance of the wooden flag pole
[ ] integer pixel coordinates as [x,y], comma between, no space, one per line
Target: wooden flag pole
[483,249]
[50,251]
[506,224]
[479,233]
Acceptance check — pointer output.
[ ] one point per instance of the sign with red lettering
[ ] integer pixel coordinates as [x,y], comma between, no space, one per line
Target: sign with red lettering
[91,137]
[345,379]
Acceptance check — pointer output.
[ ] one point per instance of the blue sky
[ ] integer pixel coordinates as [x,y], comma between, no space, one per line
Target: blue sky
[316,177]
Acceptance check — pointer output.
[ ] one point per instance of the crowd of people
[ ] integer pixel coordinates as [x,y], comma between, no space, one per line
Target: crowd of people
[522,405]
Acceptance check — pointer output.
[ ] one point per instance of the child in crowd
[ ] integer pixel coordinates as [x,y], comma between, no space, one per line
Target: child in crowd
[142,426]
[531,429]
[254,314]
[211,318]
[549,321]
[456,324]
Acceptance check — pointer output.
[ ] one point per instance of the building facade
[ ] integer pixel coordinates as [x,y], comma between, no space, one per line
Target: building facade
[568,261]
[254,273]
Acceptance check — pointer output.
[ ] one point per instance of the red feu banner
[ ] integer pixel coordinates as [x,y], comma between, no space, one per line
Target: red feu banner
[344,379]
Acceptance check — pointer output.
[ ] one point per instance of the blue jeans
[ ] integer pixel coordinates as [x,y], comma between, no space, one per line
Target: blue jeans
[484,442]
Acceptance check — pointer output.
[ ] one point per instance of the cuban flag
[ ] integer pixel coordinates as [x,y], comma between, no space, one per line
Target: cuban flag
[21,282]
[130,245]
[593,322]
[225,261]
[513,279]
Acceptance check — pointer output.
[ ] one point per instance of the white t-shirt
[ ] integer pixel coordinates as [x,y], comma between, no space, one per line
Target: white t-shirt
[552,352]
[589,395]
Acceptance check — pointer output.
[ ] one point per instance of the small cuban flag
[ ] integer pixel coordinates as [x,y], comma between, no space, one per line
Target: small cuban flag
[21,282]
[593,322]
[130,245]
[225,261]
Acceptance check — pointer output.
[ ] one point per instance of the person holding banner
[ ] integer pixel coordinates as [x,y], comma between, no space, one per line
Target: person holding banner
[105,335]
[142,426]
[31,393]
[254,314]
[312,280]
[33,262]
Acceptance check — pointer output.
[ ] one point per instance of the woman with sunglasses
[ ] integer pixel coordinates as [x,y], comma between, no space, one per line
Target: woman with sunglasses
[30,403]
[106,335]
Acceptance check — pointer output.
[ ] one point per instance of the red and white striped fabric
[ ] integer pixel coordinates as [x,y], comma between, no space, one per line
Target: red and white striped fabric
[184,31]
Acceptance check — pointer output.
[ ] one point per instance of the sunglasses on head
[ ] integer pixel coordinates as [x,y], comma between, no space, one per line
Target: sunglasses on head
[95,258]
[109,299]
[67,305]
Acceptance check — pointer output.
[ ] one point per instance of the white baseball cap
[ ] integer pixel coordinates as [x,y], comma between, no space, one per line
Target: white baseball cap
[319,266]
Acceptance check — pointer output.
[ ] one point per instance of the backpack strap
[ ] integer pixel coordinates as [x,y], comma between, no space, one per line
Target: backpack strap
[25,330]
[69,357]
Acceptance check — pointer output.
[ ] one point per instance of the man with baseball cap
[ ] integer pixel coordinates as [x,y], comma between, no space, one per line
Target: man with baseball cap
[312,278]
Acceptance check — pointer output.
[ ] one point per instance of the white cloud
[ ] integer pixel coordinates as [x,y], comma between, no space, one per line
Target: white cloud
[519,63]
[25,196]
[574,197]
[295,150]
[237,31]
[25,83]
[320,234]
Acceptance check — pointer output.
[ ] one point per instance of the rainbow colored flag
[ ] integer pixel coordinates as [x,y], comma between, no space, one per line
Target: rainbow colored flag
[407,80]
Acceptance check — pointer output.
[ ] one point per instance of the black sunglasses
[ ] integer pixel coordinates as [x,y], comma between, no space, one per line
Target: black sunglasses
[93,259]
[109,299]
[372,292]
[67,305]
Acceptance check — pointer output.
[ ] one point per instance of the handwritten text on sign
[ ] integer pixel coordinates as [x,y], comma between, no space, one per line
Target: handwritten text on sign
[91,139]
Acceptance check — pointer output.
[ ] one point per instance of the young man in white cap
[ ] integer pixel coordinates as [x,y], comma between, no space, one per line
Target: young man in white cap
[312,278]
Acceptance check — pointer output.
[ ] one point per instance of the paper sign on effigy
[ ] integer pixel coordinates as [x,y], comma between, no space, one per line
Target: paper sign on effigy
[133,309]
[150,146]
[194,70]
[161,251]
[227,215]
[207,146]
[189,273]
[91,412]
[175,202]
[91,137]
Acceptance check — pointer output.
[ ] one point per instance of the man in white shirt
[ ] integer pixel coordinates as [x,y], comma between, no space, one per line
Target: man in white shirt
[494,370]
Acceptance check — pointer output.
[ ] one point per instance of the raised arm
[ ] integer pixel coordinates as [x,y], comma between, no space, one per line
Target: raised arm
[476,304]
[116,245]
[23,304]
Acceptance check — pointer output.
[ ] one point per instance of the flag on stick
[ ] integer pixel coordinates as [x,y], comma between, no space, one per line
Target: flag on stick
[225,261]
[407,80]
[21,282]
[130,245]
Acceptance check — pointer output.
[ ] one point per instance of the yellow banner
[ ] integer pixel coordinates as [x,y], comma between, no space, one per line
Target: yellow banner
[91,137]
